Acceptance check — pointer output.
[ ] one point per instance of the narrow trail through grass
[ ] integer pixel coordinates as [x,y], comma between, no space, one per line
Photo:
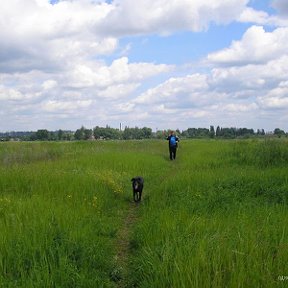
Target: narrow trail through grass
[120,273]
[124,246]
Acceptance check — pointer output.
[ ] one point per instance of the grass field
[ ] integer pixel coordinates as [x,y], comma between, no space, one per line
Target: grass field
[215,217]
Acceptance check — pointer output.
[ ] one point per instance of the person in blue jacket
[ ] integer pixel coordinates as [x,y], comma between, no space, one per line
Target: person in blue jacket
[173,144]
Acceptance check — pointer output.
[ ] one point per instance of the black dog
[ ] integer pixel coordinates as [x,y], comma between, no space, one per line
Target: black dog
[137,185]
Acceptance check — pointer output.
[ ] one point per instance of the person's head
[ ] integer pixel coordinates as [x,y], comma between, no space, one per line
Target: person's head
[172,132]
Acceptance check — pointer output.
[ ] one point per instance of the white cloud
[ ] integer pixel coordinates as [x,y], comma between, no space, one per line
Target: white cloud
[10,94]
[174,90]
[61,60]
[250,15]
[42,36]
[256,46]
[125,107]
[120,71]
[65,106]
[119,91]
[148,16]
[254,16]
[49,84]
[225,92]
[250,77]
[89,89]
[239,108]
[276,98]
[273,102]
[48,37]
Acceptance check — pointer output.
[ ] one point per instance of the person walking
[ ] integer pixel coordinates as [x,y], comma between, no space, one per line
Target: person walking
[173,144]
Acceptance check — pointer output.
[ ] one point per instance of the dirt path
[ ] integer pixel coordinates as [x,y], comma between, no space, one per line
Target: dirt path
[120,273]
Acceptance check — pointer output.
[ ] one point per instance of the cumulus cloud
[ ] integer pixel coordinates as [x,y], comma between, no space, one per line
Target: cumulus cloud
[254,16]
[174,91]
[60,60]
[49,84]
[250,15]
[10,94]
[148,16]
[42,36]
[64,106]
[276,98]
[223,93]
[117,91]
[39,35]
[93,74]
[253,71]
[256,46]
[253,75]
[239,108]
[278,19]
[91,90]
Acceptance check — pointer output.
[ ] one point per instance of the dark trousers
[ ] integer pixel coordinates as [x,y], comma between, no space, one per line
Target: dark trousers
[172,152]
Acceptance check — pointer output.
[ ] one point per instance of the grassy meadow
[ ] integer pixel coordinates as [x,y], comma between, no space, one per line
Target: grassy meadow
[215,217]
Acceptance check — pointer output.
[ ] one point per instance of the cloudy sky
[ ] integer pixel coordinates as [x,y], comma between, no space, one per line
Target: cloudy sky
[156,63]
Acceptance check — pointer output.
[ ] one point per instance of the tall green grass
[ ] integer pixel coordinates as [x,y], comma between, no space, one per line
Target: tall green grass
[215,217]
[61,205]
[51,223]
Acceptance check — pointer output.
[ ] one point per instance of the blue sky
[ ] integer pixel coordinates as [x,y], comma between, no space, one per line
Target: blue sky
[161,64]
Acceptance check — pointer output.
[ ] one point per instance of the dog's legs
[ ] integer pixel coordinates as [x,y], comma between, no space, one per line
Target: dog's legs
[137,196]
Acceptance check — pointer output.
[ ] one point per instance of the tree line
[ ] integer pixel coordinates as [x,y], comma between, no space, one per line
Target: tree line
[108,133]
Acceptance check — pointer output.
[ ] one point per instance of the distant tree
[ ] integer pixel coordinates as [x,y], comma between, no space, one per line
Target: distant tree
[203,132]
[106,133]
[227,133]
[244,132]
[278,132]
[260,132]
[134,133]
[137,133]
[80,134]
[83,133]
[98,132]
[42,135]
[218,131]
[185,134]
[88,134]
[192,132]
[160,134]
[198,132]
[212,132]
[127,133]
[68,135]
[60,135]
[147,132]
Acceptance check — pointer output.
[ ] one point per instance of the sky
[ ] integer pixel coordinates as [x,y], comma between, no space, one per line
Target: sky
[161,64]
